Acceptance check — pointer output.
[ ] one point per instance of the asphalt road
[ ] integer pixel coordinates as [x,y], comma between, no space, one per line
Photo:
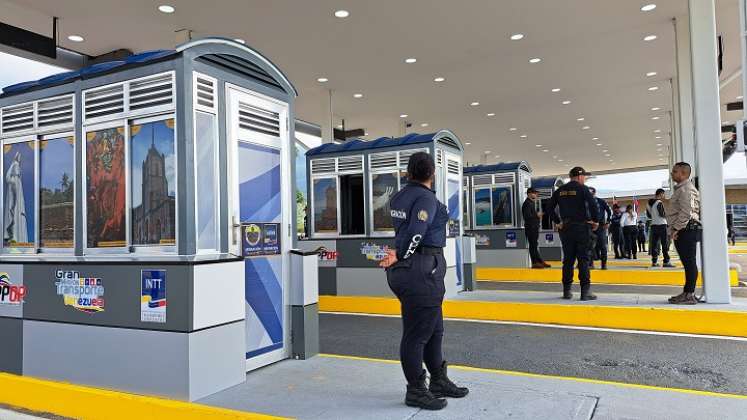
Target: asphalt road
[706,364]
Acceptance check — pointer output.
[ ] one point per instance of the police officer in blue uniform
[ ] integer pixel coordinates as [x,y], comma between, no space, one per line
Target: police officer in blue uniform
[578,218]
[600,249]
[415,273]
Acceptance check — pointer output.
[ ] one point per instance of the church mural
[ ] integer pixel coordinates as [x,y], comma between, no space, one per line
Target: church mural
[19,207]
[325,205]
[153,178]
[106,188]
[56,192]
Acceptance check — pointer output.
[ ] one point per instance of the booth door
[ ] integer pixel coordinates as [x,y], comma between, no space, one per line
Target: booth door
[261,155]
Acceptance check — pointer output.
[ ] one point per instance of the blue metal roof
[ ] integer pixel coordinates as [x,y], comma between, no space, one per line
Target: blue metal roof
[360,145]
[87,72]
[498,167]
[545,182]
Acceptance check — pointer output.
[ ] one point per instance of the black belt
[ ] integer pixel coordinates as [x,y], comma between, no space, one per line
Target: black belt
[429,250]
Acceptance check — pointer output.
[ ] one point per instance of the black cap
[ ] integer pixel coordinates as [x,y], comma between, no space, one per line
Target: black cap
[531,190]
[578,171]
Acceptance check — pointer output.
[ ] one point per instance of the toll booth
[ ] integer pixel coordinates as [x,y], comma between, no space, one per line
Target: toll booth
[145,220]
[495,195]
[350,185]
[549,240]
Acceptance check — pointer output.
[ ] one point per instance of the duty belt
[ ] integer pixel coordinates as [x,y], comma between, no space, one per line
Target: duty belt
[429,250]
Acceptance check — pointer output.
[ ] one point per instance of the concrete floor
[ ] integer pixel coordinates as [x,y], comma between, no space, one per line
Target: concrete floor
[335,388]
[706,364]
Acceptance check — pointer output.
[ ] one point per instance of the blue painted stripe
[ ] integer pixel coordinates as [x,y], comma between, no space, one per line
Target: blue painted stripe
[263,294]
[263,350]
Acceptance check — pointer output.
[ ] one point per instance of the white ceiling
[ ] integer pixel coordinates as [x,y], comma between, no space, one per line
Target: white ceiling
[593,50]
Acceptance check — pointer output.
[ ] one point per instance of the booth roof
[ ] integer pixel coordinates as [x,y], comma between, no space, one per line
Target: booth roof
[544,182]
[87,72]
[359,145]
[498,167]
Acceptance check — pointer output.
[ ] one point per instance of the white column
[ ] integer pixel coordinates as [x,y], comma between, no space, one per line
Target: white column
[327,121]
[707,121]
[684,136]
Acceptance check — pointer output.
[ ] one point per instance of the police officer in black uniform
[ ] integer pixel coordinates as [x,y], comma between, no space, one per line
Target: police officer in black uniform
[415,272]
[602,241]
[579,216]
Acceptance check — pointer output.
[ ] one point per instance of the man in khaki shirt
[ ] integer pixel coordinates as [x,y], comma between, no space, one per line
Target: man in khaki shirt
[685,229]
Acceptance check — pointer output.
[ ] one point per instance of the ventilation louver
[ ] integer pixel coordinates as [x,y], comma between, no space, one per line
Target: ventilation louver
[323,166]
[452,166]
[439,157]
[54,112]
[204,90]
[350,164]
[259,120]
[104,102]
[482,179]
[448,141]
[16,119]
[504,179]
[151,92]
[383,160]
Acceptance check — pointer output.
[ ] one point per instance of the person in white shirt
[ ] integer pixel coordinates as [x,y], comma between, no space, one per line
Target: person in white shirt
[659,235]
[630,232]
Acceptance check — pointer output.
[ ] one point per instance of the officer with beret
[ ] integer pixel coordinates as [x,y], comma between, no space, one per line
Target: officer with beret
[579,217]
[415,273]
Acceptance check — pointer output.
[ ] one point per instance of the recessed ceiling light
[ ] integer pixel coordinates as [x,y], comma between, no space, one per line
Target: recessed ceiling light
[651,74]
[658,144]
[439,79]
[655,118]
[656,108]
[605,151]
[556,90]
[411,60]
[740,97]
[657,131]
[658,137]
[653,88]
[165,8]
[342,14]
[512,129]
[357,95]
[566,102]
[424,125]
[240,41]
[545,150]
[599,144]
[491,114]
[497,156]
[487,152]
[516,37]
[648,7]
[595,138]
[366,133]
[467,143]
[340,126]
[586,127]
[75,38]
[535,60]
[538,145]
[403,116]
[649,37]
[523,136]
[580,119]
[607,155]
[726,122]
[560,160]
[322,80]
[474,104]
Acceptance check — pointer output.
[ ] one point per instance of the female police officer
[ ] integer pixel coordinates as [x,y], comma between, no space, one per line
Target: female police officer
[415,272]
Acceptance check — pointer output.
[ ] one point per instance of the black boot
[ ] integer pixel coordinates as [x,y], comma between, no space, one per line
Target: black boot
[441,385]
[586,294]
[419,396]
[604,264]
[567,295]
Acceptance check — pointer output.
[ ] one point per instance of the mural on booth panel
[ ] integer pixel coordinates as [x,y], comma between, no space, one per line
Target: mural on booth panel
[382,186]
[56,192]
[85,294]
[153,183]
[153,304]
[260,213]
[502,212]
[19,208]
[325,205]
[106,188]
[483,215]
[452,204]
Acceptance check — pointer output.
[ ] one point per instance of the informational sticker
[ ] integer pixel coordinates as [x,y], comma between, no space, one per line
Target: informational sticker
[482,240]
[10,293]
[374,252]
[85,294]
[549,237]
[260,239]
[511,239]
[153,296]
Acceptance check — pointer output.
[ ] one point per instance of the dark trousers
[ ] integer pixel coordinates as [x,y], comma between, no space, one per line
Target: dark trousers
[600,249]
[576,239]
[617,240]
[629,238]
[659,239]
[641,243]
[686,245]
[533,240]
[422,335]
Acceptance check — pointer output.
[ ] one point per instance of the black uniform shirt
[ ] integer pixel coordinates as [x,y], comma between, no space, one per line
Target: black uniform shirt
[575,202]
[529,213]
[615,219]
[419,219]
[605,212]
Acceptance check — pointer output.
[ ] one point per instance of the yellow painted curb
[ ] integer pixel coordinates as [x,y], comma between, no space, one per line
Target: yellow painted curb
[612,276]
[687,321]
[82,402]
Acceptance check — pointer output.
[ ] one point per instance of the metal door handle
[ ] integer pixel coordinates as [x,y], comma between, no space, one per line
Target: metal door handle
[234,225]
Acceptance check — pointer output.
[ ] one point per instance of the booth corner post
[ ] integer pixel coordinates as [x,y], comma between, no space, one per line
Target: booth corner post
[350,185]
[495,194]
[149,222]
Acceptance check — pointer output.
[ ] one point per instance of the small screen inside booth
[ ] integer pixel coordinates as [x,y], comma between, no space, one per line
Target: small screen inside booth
[351,205]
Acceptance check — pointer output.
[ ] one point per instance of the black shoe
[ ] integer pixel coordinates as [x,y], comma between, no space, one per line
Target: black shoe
[419,396]
[567,295]
[588,296]
[604,266]
[668,265]
[441,386]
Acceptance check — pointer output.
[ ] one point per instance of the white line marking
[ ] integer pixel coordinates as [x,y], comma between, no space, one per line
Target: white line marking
[565,327]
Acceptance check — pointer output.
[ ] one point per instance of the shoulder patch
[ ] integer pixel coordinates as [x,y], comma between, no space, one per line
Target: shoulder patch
[422,215]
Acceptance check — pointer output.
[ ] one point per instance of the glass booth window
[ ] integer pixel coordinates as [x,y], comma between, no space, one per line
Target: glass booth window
[383,186]
[153,176]
[502,208]
[325,205]
[106,188]
[19,208]
[483,216]
[56,192]
[206,183]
